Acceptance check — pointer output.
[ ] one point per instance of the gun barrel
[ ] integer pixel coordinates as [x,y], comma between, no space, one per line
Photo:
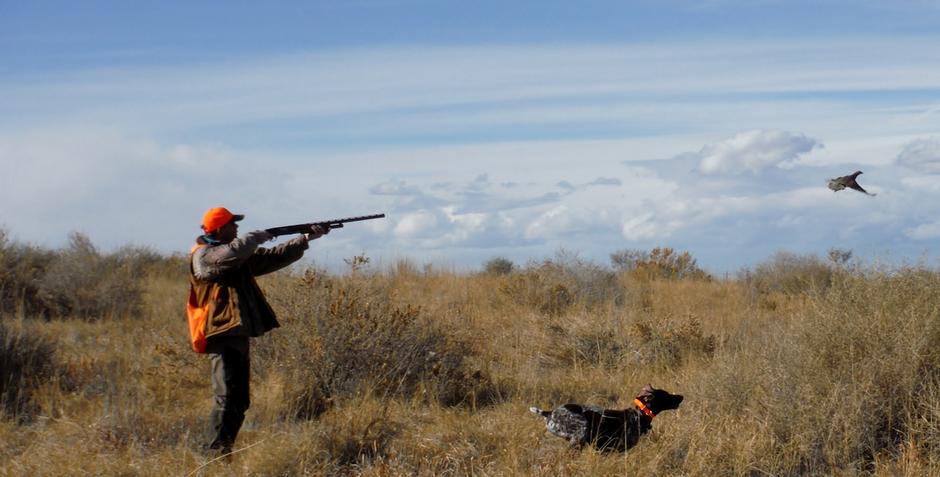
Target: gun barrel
[333,224]
[356,219]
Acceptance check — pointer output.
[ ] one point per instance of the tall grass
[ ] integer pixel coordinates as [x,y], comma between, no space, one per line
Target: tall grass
[798,367]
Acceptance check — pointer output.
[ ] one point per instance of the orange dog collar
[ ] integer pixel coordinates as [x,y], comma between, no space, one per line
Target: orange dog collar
[642,407]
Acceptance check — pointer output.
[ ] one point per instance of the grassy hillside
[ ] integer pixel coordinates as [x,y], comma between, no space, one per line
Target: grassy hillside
[802,366]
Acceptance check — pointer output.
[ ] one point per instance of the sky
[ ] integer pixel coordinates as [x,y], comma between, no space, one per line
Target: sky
[482,129]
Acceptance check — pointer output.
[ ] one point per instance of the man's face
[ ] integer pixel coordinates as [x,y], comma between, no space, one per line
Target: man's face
[227,232]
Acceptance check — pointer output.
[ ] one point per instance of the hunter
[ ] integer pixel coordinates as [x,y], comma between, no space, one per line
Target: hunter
[226,308]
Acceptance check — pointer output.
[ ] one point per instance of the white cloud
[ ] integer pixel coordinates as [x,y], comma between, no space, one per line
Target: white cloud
[121,189]
[444,227]
[394,187]
[605,181]
[415,224]
[927,183]
[922,155]
[754,151]
[550,223]
[662,218]
[925,231]
[644,227]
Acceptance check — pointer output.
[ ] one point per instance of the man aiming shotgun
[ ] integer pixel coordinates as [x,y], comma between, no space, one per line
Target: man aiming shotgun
[226,306]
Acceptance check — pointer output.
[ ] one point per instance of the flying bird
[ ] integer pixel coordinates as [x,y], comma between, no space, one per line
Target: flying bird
[840,183]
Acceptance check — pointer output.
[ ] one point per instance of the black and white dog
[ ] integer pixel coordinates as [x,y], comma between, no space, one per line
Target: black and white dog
[609,429]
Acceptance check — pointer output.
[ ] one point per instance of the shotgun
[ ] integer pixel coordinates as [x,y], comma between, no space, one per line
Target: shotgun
[333,224]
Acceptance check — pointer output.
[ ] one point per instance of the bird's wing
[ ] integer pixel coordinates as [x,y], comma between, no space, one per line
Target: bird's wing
[854,185]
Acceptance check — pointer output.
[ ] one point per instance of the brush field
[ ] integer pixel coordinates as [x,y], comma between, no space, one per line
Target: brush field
[800,366]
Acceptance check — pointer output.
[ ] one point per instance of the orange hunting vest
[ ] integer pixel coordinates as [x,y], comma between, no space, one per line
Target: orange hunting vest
[197,313]
[215,307]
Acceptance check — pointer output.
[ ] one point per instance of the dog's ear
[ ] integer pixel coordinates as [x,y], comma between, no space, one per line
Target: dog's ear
[646,393]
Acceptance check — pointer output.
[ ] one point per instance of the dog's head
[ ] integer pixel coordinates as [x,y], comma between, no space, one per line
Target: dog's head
[658,400]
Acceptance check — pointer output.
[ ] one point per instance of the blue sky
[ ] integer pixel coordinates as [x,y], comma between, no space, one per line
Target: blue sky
[482,129]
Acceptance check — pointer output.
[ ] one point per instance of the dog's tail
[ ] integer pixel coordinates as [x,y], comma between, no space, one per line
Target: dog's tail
[540,412]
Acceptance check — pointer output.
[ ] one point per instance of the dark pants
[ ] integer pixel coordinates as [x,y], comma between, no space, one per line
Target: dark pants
[231,367]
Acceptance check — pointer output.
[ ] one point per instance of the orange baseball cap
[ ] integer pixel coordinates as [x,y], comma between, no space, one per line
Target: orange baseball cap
[216,217]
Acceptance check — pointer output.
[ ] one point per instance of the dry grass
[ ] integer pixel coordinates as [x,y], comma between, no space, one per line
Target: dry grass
[416,371]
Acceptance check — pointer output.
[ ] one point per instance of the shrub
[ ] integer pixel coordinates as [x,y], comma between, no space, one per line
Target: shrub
[77,281]
[81,282]
[840,257]
[870,342]
[357,262]
[25,363]
[578,340]
[553,287]
[21,270]
[392,350]
[670,344]
[790,274]
[662,263]
[352,437]
[362,343]
[498,266]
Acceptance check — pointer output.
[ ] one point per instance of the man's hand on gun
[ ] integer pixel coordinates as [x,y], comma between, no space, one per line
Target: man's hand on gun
[317,231]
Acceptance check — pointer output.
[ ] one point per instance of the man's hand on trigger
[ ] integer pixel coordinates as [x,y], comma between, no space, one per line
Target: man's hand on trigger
[317,231]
